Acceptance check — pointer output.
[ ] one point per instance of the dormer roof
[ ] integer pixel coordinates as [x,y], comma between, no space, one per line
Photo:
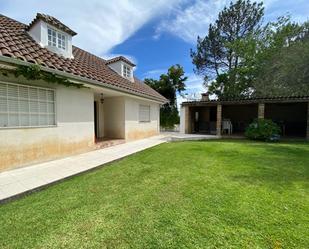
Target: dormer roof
[51,21]
[120,58]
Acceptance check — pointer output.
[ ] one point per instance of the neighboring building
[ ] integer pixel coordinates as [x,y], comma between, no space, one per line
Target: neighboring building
[232,116]
[42,121]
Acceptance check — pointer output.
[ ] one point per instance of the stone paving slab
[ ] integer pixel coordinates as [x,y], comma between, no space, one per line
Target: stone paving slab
[20,181]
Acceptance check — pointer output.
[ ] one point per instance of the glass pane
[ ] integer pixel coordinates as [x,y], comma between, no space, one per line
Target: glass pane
[49,31]
[43,119]
[51,119]
[3,105]
[34,120]
[42,94]
[34,106]
[50,108]
[3,89]
[13,120]
[24,106]
[12,91]
[3,120]
[13,105]
[50,95]
[23,92]
[24,119]
[33,93]
[43,107]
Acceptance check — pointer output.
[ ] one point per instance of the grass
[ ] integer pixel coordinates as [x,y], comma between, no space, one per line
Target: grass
[214,194]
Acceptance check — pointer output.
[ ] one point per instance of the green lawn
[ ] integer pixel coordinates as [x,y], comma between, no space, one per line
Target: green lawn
[213,194]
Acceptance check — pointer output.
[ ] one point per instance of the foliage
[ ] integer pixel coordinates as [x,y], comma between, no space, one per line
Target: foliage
[169,116]
[34,72]
[210,194]
[217,56]
[263,129]
[280,64]
[169,85]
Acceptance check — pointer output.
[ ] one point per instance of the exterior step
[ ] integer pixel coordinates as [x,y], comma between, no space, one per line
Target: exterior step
[108,143]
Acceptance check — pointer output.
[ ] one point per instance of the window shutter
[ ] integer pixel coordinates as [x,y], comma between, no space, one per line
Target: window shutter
[24,106]
[144,113]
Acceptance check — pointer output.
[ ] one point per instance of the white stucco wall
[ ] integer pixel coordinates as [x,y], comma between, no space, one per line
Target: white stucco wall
[73,133]
[114,117]
[134,129]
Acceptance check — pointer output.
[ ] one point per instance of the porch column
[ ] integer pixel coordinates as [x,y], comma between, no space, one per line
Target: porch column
[307,136]
[187,119]
[261,111]
[219,119]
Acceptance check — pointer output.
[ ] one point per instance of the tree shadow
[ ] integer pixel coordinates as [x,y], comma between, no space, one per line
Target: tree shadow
[280,166]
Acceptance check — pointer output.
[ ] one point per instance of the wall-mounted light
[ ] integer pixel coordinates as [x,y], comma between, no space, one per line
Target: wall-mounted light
[101,98]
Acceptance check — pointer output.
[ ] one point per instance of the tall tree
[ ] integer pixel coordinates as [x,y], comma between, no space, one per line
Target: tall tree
[169,85]
[217,56]
[280,61]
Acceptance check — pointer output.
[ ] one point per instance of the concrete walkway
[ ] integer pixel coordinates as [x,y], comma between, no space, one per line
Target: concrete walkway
[17,182]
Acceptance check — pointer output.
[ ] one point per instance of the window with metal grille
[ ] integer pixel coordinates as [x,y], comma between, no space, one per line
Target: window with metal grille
[26,106]
[56,39]
[144,113]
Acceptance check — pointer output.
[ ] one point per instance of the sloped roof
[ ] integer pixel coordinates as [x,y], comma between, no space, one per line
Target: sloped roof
[120,58]
[52,21]
[16,43]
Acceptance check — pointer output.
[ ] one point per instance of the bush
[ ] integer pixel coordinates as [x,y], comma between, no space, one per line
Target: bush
[263,129]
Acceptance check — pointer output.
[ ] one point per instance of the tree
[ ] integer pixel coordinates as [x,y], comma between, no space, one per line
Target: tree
[280,62]
[217,56]
[169,85]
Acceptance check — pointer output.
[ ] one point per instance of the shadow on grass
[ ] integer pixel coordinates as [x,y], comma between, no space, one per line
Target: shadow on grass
[279,165]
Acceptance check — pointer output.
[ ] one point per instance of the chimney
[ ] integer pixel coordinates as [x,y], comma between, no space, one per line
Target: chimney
[205,96]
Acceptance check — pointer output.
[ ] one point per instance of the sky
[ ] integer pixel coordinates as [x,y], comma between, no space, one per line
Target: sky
[155,34]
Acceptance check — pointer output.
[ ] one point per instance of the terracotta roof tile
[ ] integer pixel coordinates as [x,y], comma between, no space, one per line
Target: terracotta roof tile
[15,42]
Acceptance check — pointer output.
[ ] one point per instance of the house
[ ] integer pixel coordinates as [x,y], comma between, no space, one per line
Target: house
[232,116]
[64,99]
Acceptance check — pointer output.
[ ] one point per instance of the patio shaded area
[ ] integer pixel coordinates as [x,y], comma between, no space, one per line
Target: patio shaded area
[232,117]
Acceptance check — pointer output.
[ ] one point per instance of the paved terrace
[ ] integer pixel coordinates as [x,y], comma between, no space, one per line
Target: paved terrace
[17,182]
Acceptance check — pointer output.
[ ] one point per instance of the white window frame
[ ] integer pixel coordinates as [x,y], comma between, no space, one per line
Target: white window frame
[30,113]
[140,114]
[57,43]
[126,71]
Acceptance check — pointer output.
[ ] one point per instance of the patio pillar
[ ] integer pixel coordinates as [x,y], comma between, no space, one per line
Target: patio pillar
[219,119]
[261,111]
[187,119]
[307,136]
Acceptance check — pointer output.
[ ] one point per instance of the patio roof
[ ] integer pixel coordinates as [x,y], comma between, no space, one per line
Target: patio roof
[251,100]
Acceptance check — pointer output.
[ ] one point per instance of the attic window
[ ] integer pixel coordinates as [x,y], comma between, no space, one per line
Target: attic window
[56,39]
[126,71]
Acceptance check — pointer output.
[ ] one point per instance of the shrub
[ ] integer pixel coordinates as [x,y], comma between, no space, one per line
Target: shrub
[263,129]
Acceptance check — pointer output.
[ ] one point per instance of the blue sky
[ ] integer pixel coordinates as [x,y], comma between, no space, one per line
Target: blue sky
[155,34]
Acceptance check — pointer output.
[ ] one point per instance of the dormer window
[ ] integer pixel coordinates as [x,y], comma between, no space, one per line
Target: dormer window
[56,39]
[52,34]
[126,71]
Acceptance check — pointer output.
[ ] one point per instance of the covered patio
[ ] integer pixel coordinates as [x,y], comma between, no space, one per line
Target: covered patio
[232,117]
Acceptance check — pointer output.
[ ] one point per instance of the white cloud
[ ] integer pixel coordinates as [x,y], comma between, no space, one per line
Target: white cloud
[100,25]
[155,73]
[193,20]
